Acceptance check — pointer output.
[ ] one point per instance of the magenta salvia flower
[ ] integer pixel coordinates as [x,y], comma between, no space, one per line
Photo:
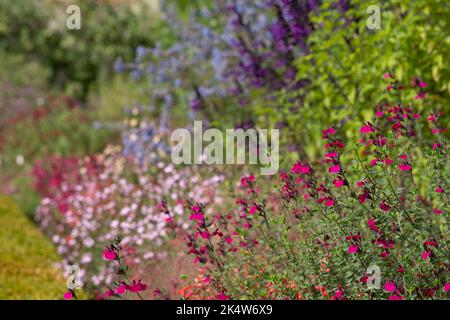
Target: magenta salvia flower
[404,167]
[109,254]
[338,183]
[384,206]
[353,249]
[390,286]
[68,295]
[366,129]
[137,286]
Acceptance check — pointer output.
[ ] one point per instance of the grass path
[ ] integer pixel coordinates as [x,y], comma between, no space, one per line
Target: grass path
[26,258]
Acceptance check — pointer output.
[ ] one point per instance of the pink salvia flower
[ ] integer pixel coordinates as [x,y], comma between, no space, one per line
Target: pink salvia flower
[395,297]
[404,167]
[68,295]
[384,206]
[338,183]
[222,296]
[109,254]
[333,154]
[121,289]
[136,287]
[421,95]
[426,255]
[353,249]
[366,129]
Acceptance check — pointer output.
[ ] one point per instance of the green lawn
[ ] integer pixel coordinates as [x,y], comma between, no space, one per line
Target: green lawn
[26,258]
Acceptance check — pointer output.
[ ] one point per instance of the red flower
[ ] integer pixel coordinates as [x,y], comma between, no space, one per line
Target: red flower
[109,254]
[404,167]
[366,129]
[338,295]
[333,154]
[426,255]
[390,286]
[68,295]
[121,289]
[299,168]
[329,203]
[395,297]
[353,249]
[447,287]
[338,183]
[222,296]
[136,287]
[385,207]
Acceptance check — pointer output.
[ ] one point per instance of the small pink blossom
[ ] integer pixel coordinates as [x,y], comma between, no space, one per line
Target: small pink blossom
[353,249]
[447,287]
[420,96]
[333,154]
[404,167]
[197,216]
[387,75]
[385,207]
[121,289]
[366,129]
[299,168]
[222,296]
[338,183]
[426,255]
[329,131]
[374,162]
[335,169]
[137,286]
[390,286]
[68,295]
[205,235]
[432,118]
[423,84]
[109,254]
